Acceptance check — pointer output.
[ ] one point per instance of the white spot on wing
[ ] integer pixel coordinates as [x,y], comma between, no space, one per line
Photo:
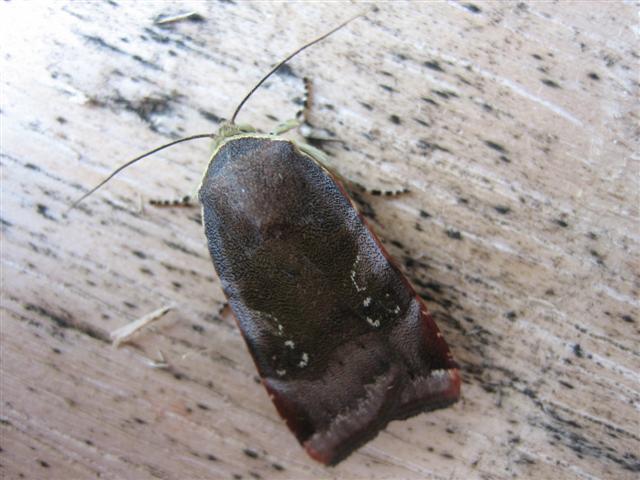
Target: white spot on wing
[290,344]
[353,275]
[367,302]
[278,324]
[281,372]
[373,323]
[304,361]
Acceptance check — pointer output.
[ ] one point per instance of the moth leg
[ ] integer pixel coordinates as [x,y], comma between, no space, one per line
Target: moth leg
[301,120]
[285,127]
[315,153]
[378,192]
[306,129]
[302,115]
[321,158]
[313,134]
[184,201]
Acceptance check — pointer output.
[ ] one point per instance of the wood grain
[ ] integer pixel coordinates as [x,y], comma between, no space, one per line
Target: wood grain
[515,126]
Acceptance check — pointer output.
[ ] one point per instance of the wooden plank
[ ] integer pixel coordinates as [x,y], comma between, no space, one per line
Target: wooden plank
[513,125]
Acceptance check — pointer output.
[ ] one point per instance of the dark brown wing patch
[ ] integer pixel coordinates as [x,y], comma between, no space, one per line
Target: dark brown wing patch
[341,340]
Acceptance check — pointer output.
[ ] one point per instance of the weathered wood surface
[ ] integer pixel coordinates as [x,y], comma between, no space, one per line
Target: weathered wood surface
[514,126]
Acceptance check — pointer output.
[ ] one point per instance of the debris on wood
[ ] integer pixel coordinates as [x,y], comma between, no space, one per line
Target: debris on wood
[161,363]
[190,16]
[125,332]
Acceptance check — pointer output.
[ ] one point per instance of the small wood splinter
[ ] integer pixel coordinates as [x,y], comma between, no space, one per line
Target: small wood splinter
[125,332]
[160,364]
[191,16]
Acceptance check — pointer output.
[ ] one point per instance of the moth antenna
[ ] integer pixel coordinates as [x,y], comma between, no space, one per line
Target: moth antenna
[131,162]
[209,135]
[282,62]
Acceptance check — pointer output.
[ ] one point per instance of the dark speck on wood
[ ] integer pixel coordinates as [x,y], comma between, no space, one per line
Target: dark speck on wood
[472,8]
[44,211]
[445,94]
[250,453]
[627,318]
[101,43]
[597,256]
[496,146]
[210,116]
[67,323]
[550,83]
[286,71]
[455,234]
[425,145]
[433,65]
[197,328]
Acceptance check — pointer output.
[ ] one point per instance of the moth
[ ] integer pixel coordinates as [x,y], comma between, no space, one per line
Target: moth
[338,335]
